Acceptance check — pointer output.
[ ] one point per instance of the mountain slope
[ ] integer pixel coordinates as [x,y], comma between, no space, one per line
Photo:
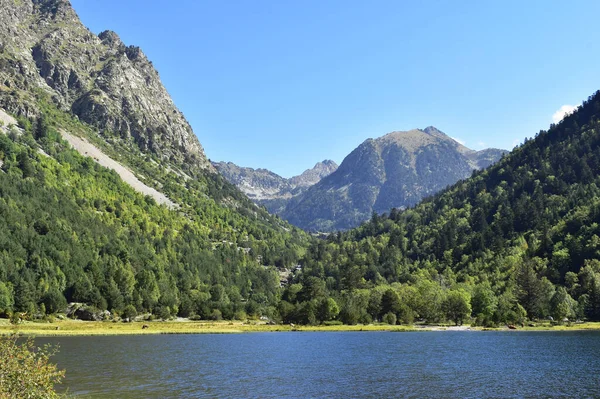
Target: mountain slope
[76,230]
[269,189]
[105,83]
[396,170]
[517,241]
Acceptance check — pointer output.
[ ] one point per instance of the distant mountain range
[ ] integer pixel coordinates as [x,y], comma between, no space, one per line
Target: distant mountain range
[269,189]
[393,171]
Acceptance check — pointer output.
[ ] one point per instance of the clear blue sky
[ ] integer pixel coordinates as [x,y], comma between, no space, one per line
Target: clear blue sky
[283,85]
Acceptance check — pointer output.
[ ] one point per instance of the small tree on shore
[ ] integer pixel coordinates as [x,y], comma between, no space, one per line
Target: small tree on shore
[457,306]
[26,370]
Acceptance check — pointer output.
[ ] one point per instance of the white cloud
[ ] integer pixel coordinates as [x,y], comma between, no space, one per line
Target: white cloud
[461,142]
[562,112]
[516,142]
[481,145]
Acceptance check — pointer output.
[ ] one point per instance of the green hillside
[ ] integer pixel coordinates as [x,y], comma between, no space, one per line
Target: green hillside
[73,231]
[518,240]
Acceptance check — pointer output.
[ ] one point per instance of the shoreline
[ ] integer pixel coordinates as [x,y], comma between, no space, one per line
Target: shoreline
[65,328]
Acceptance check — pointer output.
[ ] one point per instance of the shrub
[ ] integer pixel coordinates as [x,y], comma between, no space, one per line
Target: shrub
[129,312]
[26,371]
[163,313]
[389,318]
[240,315]
[216,315]
[54,301]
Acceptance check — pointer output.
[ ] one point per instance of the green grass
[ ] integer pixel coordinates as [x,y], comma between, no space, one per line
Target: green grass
[76,327]
[80,328]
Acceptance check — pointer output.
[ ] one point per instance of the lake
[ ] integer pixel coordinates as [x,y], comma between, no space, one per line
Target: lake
[334,365]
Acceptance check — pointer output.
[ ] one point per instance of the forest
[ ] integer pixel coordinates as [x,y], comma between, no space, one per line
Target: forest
[73,231]
[516,242]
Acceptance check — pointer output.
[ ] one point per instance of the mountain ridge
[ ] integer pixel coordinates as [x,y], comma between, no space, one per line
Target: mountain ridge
[393,171]
[99,79]
[268,188]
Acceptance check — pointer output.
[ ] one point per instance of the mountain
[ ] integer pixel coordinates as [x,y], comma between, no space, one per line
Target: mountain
[269,189]
[393,171]
[515,243]
[106,196]
[315,174]
[111,86]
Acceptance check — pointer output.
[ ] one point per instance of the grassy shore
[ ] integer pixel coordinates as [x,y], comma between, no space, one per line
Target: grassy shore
[76,327]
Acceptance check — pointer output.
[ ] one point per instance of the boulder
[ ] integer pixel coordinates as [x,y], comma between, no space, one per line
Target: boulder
[85,312]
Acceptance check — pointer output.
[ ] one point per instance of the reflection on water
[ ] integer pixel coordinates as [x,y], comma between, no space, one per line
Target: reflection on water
[334,365]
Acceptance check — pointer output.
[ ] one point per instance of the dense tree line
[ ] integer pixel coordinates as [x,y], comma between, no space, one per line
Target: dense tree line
[517,241]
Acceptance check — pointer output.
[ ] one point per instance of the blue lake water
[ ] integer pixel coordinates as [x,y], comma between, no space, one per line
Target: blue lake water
[334,365]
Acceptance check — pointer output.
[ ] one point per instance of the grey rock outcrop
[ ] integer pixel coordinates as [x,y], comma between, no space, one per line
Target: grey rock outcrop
[269,189]
[44,48]
[85,312]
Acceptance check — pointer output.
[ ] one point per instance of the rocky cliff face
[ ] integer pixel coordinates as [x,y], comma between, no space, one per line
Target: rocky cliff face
[44,49]
[269,189]
[393,171]
[315,174]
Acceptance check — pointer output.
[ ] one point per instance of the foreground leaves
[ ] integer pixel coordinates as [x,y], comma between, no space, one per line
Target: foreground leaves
[26,370]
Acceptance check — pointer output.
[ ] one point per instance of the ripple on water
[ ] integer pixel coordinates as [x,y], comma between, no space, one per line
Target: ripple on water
[334,365]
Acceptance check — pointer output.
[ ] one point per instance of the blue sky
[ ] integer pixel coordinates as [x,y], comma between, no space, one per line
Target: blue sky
[283,85]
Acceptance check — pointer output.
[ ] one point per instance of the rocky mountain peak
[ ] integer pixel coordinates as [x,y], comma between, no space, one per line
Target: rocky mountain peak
[98,78]
[396,170]
[315,174]
[434,131]
[269,189]
[134,53]
[111,39]
[411,140]
[56,9]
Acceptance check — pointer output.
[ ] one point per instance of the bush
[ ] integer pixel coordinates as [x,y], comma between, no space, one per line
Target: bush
[240,315]
[129,312]
[54,301]
[216,315]
[163,313]
[390,318]
[25,371]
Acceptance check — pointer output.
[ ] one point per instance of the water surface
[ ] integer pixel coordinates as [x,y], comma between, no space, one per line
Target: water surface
[334,365]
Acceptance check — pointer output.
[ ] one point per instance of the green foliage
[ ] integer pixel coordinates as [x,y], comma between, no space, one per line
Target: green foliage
[129,312]
[519,240]
[513,242]
[41,128]
[484,304]
[6,299]
[389,318]
[25,164]
[54,301]
[562,305]
[26,371]
[74,232]
[457,306]
[327,309]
